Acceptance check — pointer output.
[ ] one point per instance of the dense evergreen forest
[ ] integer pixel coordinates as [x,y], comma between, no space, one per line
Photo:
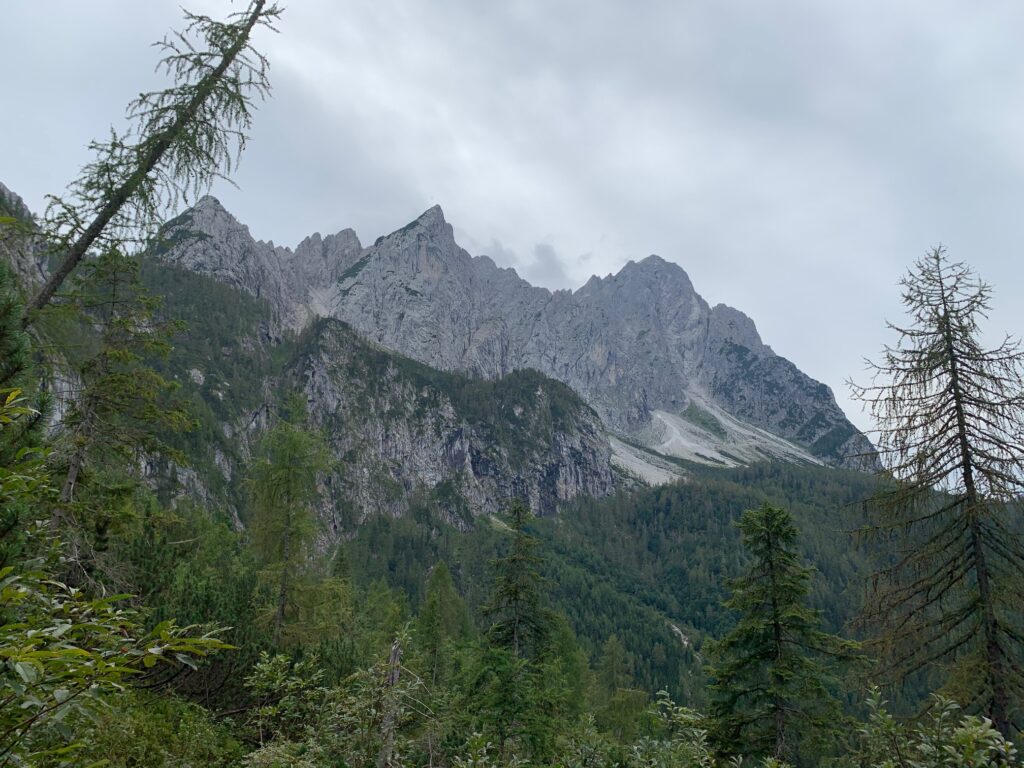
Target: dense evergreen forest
[600,636]
[157,609]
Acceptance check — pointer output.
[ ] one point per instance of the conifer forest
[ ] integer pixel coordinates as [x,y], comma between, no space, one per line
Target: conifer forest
[390,505]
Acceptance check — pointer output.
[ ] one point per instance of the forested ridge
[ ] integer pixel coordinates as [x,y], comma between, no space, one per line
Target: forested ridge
[629,592]
[200,565]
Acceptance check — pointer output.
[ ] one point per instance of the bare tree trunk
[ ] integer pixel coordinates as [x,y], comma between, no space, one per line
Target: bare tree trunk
[999,706]
[283,585]
[74,467]
[387,747]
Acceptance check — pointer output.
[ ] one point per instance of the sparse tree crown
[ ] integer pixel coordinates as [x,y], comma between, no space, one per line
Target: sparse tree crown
[950,417]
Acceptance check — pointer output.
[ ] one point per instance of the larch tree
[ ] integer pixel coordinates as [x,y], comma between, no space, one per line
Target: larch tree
[284,489]
[769,693]
[180,140]
[619,705]
[950,416]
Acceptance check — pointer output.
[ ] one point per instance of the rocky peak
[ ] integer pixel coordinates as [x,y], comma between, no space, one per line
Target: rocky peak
[731,325]
[20,248]
[318,262]
[654,270]
[210,216]
[12,204]
[651,284]
[633,344]
[431,220]
[425,239]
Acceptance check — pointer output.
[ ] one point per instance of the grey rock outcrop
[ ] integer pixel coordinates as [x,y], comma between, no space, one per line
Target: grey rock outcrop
[632,344]
[20,246]
[402,429]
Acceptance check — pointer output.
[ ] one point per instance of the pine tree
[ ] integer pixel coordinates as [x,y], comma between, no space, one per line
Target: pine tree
[769,676]
[951,432]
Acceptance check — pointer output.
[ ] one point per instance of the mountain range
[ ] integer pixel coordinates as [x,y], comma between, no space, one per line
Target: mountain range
[670,376]
[442,378]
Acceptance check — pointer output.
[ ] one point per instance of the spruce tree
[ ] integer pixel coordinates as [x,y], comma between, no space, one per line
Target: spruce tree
[513,695]
[122,408]
[950,415]
[769,690]
[519,620]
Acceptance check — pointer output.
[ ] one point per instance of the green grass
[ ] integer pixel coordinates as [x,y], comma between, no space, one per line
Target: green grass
[704,419]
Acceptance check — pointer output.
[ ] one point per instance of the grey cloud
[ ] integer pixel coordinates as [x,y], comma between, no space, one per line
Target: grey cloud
[793,157]
[547,268]
[544,266]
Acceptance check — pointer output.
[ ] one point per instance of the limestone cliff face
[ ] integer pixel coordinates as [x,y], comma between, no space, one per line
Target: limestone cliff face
[404,432]
[207,240]
[402,436]
[632,344]
[20,248]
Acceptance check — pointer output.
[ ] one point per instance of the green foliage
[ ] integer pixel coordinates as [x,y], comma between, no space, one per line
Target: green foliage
[617,704]
[639,565]
[442,624]
[284,490]
[769,690]
[186,565]
[180,140]
[22,424]
[375,717]
[518,619]
[675,737]
[945,738]
[14,346]
[23,479]
[512,701]
[287,697]
[63,652]
[137,729]
[525,680]
[121,405]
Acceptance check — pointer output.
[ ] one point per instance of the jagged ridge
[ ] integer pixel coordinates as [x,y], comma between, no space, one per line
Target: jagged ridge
[631,344]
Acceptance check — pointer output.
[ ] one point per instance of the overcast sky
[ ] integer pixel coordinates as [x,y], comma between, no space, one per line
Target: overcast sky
[793,157]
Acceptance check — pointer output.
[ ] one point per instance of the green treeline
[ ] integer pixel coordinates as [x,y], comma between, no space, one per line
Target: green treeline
[184,582]
[690,624]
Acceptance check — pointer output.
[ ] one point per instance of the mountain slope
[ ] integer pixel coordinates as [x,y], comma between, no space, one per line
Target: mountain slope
[633,345]
[401,433]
